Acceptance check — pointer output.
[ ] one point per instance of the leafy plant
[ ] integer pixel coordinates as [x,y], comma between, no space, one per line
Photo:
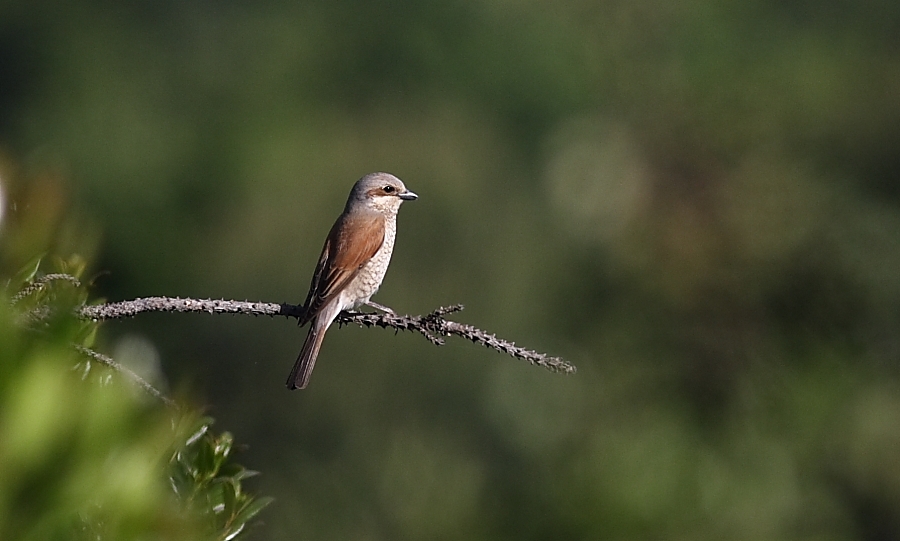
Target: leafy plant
[83,456]
[209,483]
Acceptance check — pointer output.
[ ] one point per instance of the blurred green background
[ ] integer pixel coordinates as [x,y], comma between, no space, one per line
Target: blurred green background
[697,203]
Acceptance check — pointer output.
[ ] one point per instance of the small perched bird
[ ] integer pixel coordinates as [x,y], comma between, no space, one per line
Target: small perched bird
[353,262]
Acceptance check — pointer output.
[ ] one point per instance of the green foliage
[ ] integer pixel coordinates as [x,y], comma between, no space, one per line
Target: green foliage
[83,454]
[204,477]
[695,202]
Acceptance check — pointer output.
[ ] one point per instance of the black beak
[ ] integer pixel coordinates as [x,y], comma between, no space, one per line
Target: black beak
[408,196]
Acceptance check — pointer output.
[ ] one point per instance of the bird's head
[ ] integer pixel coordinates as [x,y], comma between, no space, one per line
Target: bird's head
[382,192]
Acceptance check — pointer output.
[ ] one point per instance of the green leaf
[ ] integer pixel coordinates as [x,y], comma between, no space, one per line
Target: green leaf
[231,469]
[229,498]
[202,428]
[244,474]
[75,265]
[27,273]
[252,509]
[205,460]
[231,533]
[222,448]
[90,335]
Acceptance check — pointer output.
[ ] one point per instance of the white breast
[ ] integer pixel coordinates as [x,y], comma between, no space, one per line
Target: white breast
[367,282]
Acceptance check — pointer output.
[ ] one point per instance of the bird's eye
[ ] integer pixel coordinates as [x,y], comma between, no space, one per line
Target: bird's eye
[388,189]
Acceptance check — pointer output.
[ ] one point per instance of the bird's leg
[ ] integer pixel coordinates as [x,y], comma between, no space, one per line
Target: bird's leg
[381,307]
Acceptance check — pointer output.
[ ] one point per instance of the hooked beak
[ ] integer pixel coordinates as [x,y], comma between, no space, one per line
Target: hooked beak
[408,196]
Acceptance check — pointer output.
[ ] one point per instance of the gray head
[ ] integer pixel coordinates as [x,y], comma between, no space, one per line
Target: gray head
[379,191]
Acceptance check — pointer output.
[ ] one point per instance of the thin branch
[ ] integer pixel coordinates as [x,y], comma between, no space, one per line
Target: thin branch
[432,326]
[39,283]
[141,382]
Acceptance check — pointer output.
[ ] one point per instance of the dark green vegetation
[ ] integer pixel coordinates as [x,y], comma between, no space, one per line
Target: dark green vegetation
[697,203]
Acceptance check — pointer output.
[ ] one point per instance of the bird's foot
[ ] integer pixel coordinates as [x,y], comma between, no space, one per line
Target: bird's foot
[381,307]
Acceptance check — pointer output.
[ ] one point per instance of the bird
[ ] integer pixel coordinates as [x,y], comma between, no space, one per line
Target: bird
[353,263]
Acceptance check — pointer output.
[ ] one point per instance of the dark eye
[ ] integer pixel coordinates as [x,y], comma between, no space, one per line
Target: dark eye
[388,189]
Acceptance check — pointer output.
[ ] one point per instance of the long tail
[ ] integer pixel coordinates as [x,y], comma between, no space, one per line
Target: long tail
[303,367]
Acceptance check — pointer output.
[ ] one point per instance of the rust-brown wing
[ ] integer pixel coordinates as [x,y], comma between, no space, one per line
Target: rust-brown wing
[351,244]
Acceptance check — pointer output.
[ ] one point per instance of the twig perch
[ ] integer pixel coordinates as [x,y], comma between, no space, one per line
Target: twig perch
[432,326]
[141,382]
[40,283]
